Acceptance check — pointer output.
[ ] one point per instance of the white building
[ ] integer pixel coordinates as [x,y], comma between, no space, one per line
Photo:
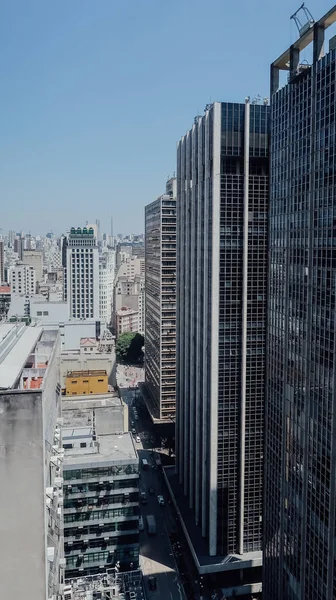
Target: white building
[22,279]
[82,273]
[31,541]
[34,258]
[106,282]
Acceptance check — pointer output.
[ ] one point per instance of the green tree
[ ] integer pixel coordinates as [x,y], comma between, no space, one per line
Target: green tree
[129,347]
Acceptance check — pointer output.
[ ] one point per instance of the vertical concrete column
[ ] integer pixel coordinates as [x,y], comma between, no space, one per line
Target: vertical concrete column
[318,43]
[274,79]
[244,325]
[294,59]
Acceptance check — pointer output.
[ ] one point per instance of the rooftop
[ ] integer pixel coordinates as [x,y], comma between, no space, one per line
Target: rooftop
[24,355]
[90,373]
[107,449]
[101,426]
[306,38]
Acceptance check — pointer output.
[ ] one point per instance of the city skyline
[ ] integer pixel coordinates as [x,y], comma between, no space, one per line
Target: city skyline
[71,114]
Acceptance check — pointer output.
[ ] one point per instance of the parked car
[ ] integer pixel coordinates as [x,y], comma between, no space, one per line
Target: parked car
[141,524]
[133,430]
[152,582]
[161,500]
[138,439]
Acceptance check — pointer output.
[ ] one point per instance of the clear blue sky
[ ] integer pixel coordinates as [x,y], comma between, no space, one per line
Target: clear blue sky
[96,93]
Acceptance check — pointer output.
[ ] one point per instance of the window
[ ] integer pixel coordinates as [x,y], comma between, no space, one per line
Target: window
[39,313]
[74,381]
[67,446]
[100,380]
[45,313]
[83,444]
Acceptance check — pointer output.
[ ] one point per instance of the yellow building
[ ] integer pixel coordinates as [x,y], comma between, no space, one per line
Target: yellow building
[78,383]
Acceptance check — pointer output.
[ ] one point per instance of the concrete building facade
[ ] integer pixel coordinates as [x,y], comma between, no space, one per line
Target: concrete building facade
[2,263]
[22,279]
[101,489]
[34,258]
[160,302]
[127,319]
[222,197]
[31,542]
[80,251]
[106,284]
[300,423]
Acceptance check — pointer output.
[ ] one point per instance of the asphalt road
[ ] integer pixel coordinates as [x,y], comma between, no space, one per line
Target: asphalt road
[156,557]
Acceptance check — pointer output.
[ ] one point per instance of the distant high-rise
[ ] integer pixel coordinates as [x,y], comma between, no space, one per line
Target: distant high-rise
[222,197]
[82,273]
[34,258]
[2,262]
[300,423]
[22,279]
[160,303]
[106,284]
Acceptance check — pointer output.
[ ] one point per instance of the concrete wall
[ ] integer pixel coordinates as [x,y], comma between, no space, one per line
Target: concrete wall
[73,331]
[22,515]
[57,312]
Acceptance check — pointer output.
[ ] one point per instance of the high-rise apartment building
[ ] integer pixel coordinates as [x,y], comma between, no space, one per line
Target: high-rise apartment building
[22,279]
[160,303]
[106,284]
[34,258]
[300,423]
[2,262]
[222,192]
[31,541]
[81,277]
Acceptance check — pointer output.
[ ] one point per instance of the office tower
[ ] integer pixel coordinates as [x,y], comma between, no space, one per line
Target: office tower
[106,284]
[300,444]
[101,487]
[82,273]
[34,258]
[22,279]
[2,262]
[160,303]
[222,190]
[19,245]
[31,540]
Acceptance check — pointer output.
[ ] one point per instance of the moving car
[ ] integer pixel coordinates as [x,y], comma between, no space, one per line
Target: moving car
[161,500]
[152,582]
[143,497]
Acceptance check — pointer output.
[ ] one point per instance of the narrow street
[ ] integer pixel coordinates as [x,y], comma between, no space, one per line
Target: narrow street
[156,554]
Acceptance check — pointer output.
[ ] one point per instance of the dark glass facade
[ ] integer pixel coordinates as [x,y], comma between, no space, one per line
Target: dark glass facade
[300,429]
[222,198]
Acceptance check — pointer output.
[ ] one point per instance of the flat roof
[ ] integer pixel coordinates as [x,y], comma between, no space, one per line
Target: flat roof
[116,449]
[15,360]
[305,39]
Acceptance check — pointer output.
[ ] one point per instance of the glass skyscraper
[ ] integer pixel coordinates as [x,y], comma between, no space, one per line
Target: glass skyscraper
[300,424]
[222,196]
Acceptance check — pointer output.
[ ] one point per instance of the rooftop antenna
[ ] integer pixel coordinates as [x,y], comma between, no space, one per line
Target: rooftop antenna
[303,19]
